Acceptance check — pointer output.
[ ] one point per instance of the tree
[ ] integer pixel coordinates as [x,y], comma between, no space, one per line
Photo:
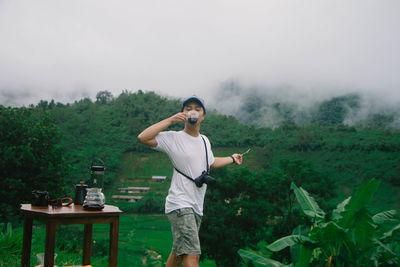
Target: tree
[235,215]
[30,158]
[304,140]
[103,97]
[335,110]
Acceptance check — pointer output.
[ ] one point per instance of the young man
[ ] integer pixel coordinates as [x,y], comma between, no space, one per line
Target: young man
[188,151]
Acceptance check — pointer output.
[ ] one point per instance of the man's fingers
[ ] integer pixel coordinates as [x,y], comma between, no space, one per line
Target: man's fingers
[179,117]
[183,116]
[238,158]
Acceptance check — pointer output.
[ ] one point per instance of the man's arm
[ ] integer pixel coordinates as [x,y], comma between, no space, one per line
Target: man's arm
[223,161]
[148,136]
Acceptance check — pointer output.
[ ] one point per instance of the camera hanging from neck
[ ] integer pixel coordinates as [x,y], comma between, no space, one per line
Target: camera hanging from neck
[204,177]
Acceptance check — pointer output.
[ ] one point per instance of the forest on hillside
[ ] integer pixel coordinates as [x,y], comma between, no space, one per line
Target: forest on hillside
[107,127]
[50,146]
[269,107]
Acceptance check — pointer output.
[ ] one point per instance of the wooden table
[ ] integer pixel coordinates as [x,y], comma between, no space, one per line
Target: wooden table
[73,214]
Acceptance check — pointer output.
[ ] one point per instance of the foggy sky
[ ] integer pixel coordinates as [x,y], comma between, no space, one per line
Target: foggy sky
[66,50]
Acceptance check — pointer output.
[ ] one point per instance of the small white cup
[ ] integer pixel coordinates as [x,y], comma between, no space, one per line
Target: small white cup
[193,116]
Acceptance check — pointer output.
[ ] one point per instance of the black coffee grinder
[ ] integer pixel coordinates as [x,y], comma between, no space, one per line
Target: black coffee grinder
[95,199]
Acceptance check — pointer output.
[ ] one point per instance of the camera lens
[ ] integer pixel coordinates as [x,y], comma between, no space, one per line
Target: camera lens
[209,180]
[199,181]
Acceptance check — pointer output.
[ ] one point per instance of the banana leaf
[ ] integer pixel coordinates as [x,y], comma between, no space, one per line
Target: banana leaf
[296,249]
[390,233]
[364,229]
[288,241]
[250,257]
[307,203]
[384,216]
[385,248]
[305,256]
[360,200]
[337,213]
[328,233]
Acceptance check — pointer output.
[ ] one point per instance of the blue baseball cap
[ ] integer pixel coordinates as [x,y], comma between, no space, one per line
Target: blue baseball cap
[196,99]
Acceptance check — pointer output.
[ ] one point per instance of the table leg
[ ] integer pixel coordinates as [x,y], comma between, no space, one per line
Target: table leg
[50,244]
[113,257]
[87,244]
[27,241]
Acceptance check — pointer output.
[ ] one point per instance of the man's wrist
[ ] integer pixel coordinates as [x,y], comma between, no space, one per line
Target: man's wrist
[170,120]
[234,161]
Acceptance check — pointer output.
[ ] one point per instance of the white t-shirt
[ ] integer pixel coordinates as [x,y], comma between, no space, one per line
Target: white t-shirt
[187,154]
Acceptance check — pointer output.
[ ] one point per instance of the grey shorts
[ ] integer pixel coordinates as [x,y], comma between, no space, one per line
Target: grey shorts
[185,226]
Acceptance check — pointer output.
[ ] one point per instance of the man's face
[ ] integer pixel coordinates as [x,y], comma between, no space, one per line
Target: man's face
[197,107]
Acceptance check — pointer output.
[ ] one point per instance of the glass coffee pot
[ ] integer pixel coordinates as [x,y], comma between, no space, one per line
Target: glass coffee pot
[95,199]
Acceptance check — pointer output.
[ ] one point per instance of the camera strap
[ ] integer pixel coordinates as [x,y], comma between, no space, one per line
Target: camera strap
[208,167]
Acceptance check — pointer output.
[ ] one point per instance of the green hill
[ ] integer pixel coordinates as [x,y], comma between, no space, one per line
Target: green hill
[107,129]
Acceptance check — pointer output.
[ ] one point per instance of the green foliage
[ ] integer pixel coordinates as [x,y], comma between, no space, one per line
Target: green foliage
[229,135]
[103,97]
[10,244]
[151,203]
[69,238]
[353,237]
[237,210]
[250,257]
[31,158]
[334,111]
[380,121]
[235,213]
[303,173]
[308,204]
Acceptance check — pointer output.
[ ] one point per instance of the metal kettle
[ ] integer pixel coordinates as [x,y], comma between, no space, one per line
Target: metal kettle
[80,193]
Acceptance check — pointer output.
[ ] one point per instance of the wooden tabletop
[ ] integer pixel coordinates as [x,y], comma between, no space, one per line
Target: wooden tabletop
[69,211]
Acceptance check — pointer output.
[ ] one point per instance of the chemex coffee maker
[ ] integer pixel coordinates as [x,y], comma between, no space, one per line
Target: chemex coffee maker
[95,199]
